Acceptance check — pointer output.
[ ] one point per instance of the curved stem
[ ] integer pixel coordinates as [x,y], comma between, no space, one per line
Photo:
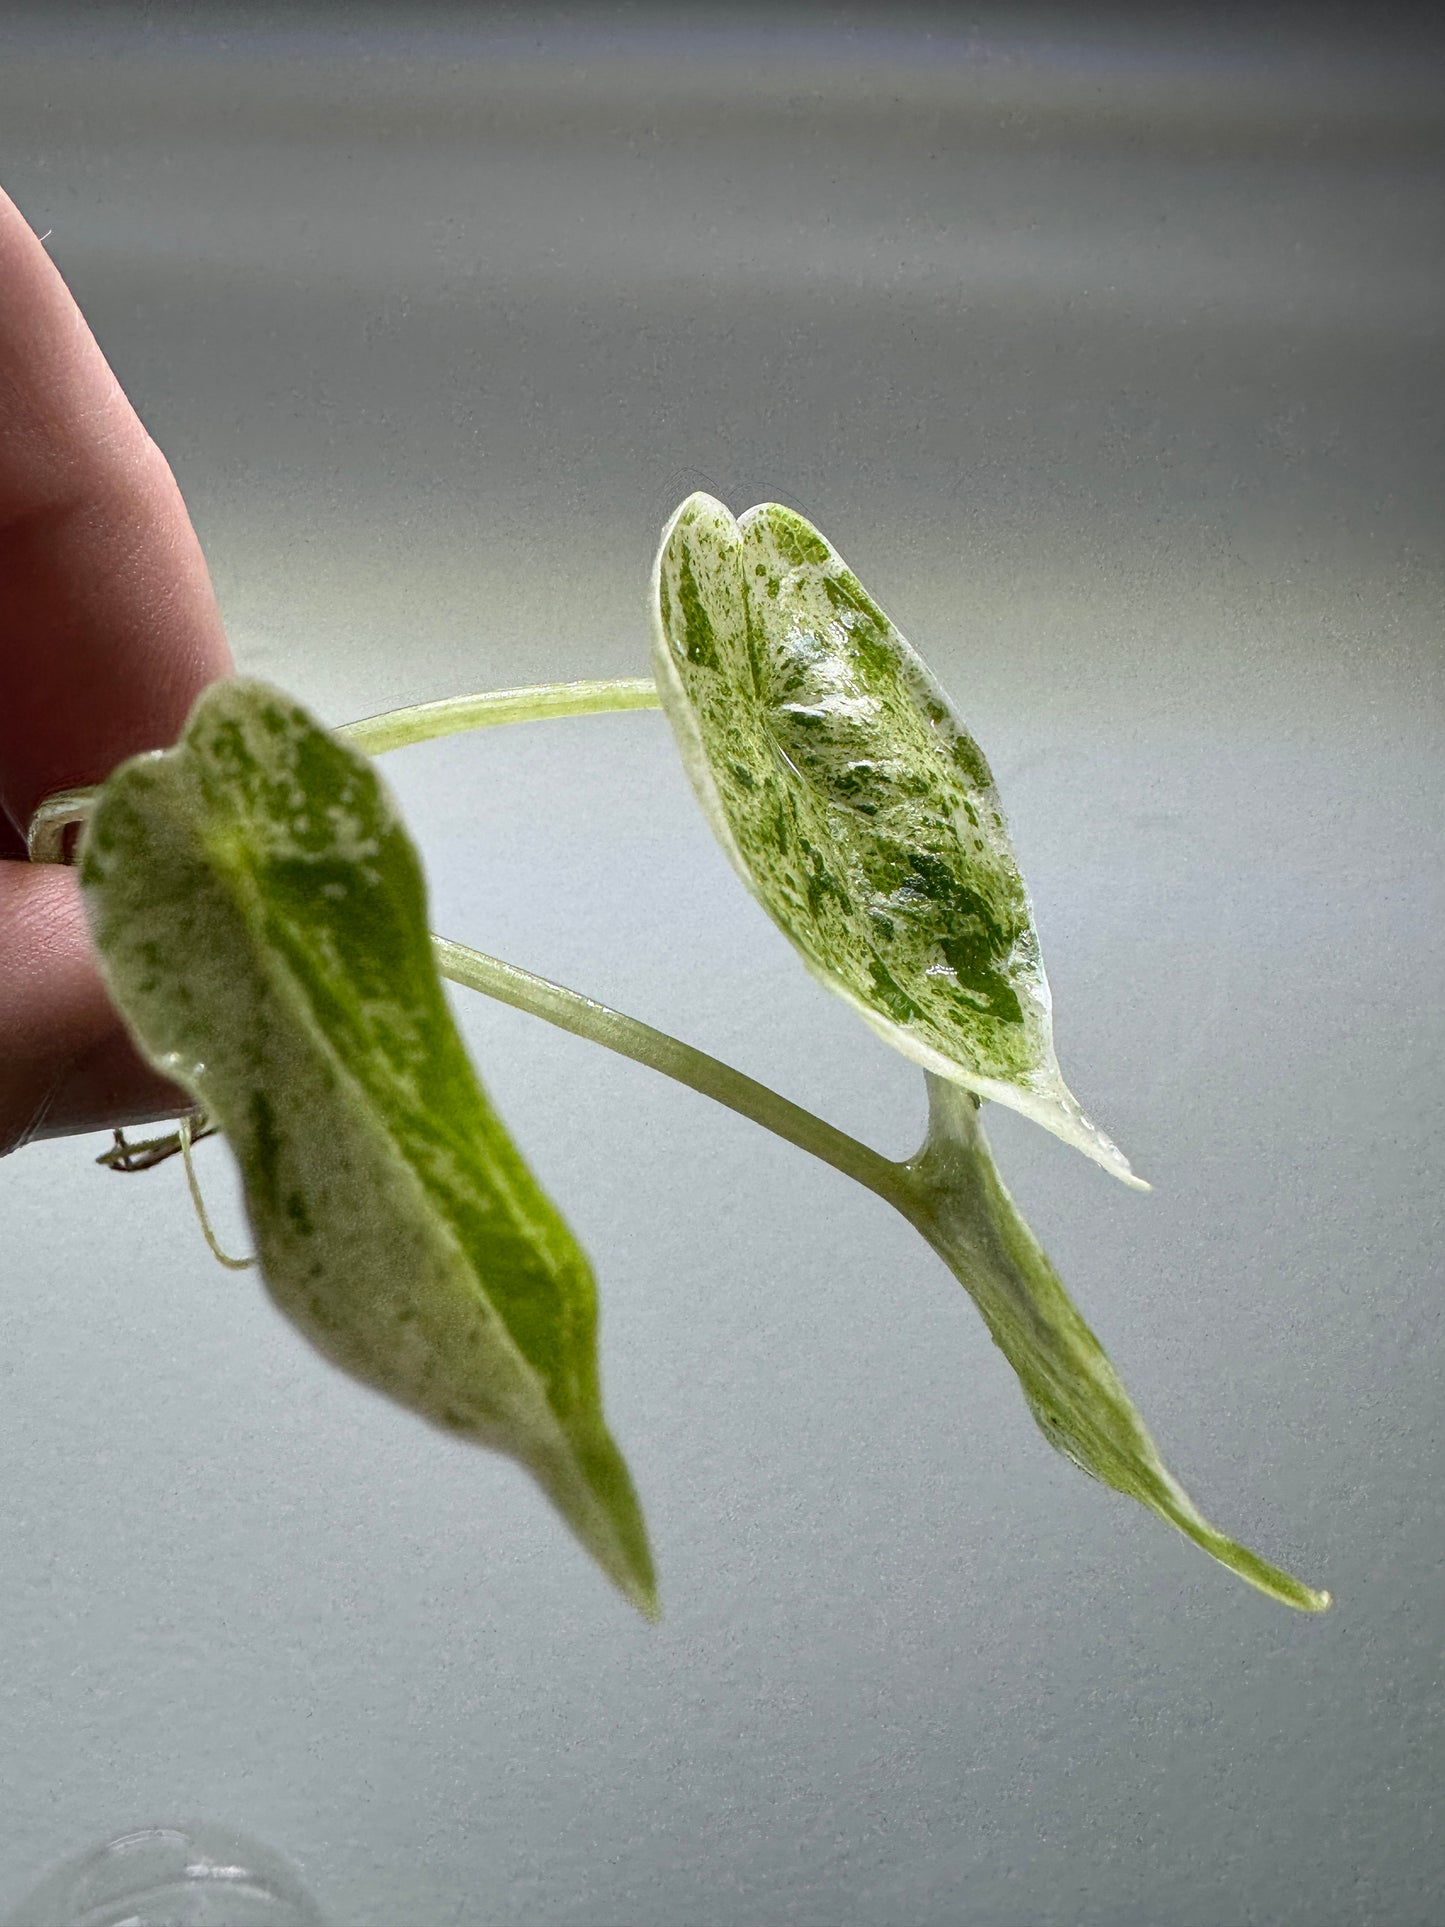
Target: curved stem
[50,837]
[420,722]
[629,1038]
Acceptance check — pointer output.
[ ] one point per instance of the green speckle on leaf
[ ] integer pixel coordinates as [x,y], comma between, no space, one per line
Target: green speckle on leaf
[855,805]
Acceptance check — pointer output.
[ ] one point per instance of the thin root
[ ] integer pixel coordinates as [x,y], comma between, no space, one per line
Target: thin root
[184,1133]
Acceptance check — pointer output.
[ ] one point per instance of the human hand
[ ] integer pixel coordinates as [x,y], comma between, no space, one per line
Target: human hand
[108,632]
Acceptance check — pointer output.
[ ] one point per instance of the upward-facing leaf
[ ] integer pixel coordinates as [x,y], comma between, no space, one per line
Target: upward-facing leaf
[261,918]
[855,805]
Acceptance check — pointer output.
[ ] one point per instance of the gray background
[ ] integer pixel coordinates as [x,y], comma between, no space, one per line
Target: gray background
[1111,358]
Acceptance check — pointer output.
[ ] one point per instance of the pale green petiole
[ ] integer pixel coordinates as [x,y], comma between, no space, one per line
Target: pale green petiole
[49,837]
[419,723]
[571,1011]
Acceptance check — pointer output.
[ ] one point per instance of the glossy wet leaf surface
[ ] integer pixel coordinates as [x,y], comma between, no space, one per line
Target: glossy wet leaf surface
[261,917]
[855,805]
[1072,1389]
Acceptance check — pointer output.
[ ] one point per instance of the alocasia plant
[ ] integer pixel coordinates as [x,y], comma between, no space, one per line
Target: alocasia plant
[260,916]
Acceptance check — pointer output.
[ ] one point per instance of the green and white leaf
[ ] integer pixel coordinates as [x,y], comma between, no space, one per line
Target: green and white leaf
[957,1200]
[855,805]
[261,917]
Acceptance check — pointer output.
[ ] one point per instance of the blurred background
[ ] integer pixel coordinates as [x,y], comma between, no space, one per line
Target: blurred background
[1108,349]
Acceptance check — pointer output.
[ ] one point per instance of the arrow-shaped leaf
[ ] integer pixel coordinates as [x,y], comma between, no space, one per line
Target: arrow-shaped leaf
[261,917]
[855,805]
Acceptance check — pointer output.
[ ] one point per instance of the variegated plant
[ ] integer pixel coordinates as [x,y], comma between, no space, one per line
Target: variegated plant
[260,916]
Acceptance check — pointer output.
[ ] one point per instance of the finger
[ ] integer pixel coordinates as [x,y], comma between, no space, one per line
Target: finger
[68,1064]
[108,631]
[108,626]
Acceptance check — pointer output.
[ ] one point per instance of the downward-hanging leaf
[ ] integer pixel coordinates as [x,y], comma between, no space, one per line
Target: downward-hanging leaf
[957,1200]
[855,805]
[261,917]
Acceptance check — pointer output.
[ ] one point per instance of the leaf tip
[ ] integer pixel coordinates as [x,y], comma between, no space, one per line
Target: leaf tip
[1083,1133]
[1273,1581]
[1049,1102]
[635,1579]
[650,1606]
[1304,1599]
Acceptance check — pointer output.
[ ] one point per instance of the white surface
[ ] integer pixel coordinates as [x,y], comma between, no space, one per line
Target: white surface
[1114,368]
